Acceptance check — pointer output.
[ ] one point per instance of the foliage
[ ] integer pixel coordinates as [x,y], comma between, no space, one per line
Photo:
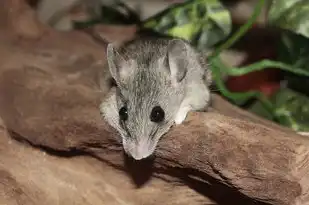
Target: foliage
[293,49]
[293,17]
[291,14]
[207,24]
[291,109]
[202,22]
[117,13]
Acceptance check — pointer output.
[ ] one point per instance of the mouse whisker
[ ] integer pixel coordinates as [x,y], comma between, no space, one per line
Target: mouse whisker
[153,132]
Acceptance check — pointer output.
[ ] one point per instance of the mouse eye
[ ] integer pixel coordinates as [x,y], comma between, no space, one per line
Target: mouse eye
[123,113]
[157,114]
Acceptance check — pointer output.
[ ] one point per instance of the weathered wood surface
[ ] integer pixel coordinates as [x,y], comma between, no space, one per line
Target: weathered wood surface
[49,101]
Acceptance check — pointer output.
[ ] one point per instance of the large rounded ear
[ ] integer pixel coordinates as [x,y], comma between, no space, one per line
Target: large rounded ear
[118,65]
[178,56]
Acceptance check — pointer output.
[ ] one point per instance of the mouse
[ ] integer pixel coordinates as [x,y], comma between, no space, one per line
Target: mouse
[157,82]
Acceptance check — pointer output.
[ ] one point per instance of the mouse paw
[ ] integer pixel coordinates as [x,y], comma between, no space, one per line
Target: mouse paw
[181,115]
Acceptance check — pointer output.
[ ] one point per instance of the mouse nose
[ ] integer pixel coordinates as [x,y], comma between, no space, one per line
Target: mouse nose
[141,149]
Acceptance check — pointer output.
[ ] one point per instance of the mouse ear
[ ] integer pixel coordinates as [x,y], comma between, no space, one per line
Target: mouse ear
[178,56]
[116,63]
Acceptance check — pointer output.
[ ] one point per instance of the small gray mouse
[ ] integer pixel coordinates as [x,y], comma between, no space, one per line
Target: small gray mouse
[158,81]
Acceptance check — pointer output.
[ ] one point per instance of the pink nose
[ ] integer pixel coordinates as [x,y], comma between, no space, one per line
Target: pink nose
[140,150]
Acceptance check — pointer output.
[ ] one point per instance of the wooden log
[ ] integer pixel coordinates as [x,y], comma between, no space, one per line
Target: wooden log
[31,177]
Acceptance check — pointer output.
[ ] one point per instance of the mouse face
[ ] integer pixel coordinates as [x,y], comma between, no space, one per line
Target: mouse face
[151,80]
[146,110]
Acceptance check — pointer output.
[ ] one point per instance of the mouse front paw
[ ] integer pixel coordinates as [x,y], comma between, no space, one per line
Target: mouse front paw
[181,115]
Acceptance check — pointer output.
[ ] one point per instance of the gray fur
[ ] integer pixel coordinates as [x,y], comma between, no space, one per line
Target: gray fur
[143,71]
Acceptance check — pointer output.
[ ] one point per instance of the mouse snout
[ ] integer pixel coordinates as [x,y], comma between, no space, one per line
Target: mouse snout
[139,149]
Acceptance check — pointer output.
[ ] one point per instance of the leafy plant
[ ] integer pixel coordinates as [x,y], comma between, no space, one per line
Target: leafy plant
[294,44]
[202,22]
[292,15]
[291,103]
[116,13]
[291,109]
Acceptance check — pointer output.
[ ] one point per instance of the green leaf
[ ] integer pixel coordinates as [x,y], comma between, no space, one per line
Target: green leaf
[201,22]
[117,13]
[291,109]
[293,49]
[290,14]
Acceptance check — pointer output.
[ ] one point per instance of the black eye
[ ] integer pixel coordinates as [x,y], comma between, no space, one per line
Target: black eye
[157,114]
[123,113]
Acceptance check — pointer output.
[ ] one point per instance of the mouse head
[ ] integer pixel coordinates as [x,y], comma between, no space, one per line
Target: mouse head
[150,89]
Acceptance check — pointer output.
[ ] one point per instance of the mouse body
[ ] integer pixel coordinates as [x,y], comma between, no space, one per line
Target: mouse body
[158,81]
